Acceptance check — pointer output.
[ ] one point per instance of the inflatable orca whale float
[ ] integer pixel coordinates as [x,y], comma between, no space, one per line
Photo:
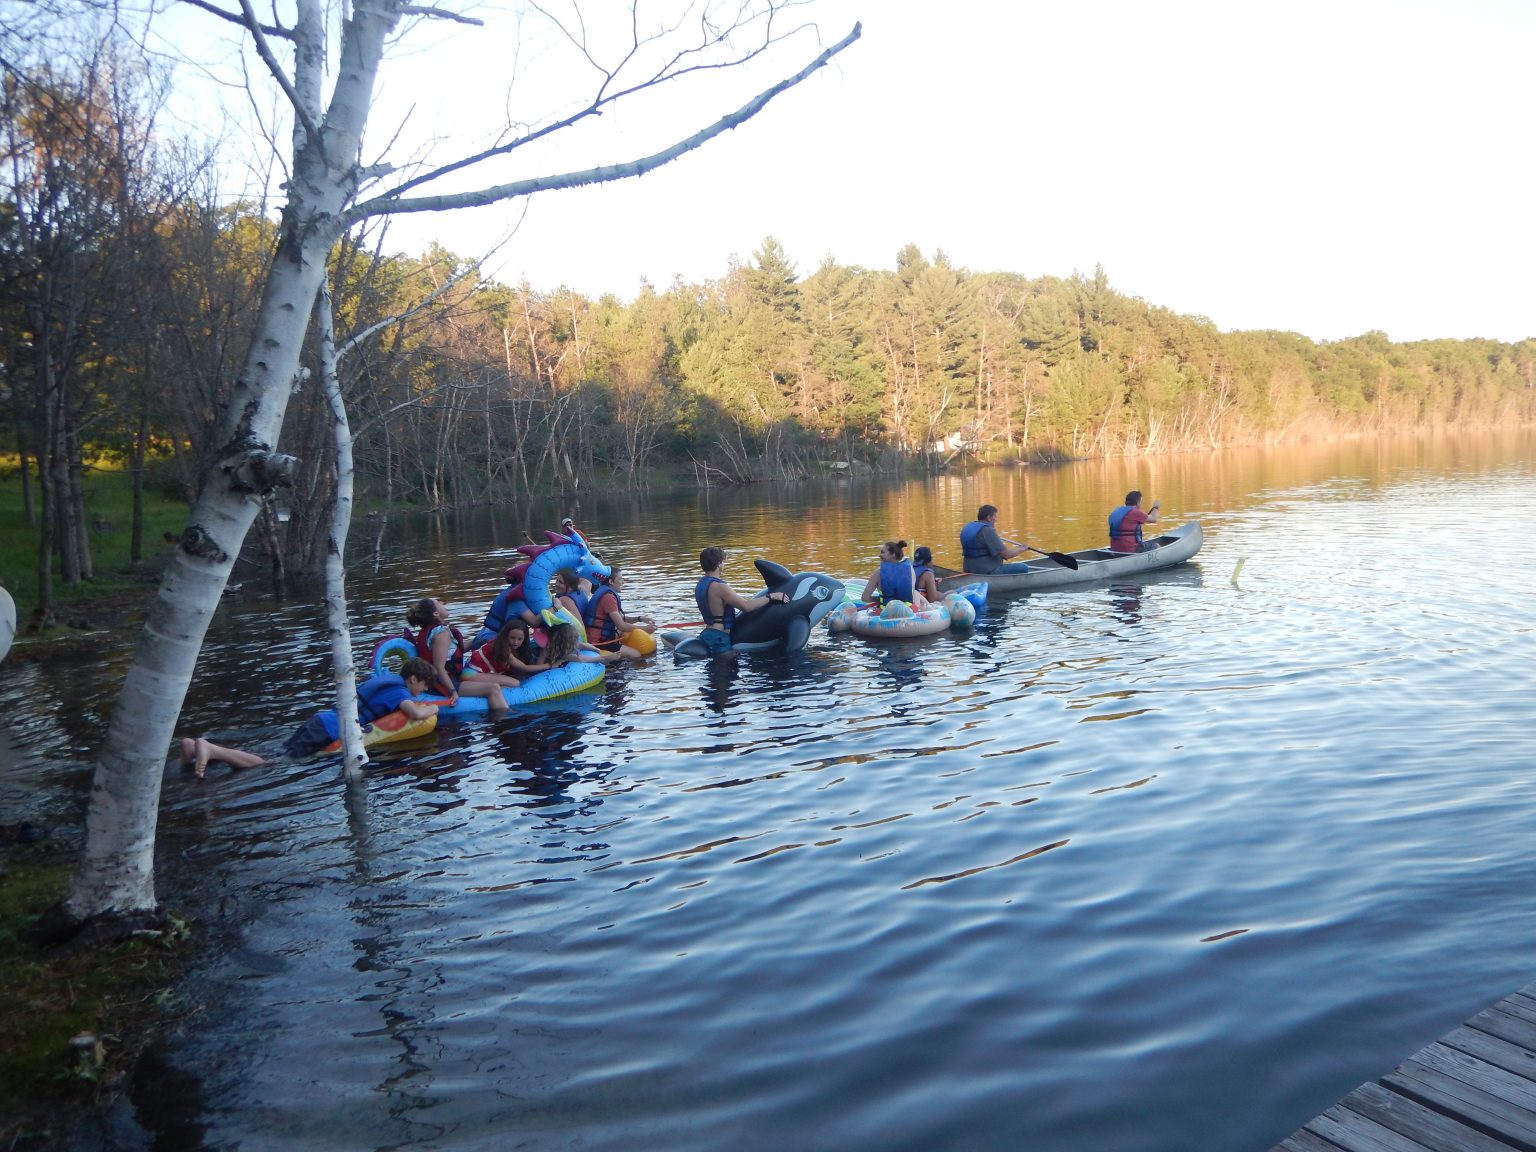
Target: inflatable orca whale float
[811,597]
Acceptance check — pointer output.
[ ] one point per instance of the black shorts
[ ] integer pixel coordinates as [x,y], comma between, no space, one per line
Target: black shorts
[311,737]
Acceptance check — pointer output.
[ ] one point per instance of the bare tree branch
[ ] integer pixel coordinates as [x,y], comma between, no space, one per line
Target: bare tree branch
[440,14]
[416,309]
[243,21]
[671,69]
[389,203]
[264,50]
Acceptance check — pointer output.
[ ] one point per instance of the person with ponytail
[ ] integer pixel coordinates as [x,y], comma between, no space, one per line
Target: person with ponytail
[442,645]
[922,573]
[894,581]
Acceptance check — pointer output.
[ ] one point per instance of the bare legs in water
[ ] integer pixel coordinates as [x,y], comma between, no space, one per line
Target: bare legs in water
[196,754]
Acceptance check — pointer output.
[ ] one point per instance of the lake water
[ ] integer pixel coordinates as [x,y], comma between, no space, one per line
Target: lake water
[1164,865]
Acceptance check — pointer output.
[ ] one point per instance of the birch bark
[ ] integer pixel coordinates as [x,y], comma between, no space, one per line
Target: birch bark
[115,876]
[116,870]
[353,756]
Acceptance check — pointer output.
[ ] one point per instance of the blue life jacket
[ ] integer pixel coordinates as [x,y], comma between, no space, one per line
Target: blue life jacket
[918,572]
[971,546]
[701,598]
[507,605]
[605,629]
[896,581]
[379,695]
[1116,518]
[581,600]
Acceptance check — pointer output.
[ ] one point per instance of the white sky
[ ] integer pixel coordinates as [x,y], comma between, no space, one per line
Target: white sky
[1324,166]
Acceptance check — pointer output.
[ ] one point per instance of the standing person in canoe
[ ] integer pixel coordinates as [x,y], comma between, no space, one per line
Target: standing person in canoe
[718,602]
[1125,524]
[983,548]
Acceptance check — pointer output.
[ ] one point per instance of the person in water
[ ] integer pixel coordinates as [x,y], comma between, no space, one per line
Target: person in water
[984,550]
[439,642]
[718,602]
[895,579]
[197,753]
[377,696]
[605,619]
[922,574]
[572,593]
[1125,524]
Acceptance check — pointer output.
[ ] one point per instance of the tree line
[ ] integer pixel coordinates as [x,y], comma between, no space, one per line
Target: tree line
[149,315]
[129,291]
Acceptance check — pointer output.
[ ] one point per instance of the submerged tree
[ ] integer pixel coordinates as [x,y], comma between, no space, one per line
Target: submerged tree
[329,188]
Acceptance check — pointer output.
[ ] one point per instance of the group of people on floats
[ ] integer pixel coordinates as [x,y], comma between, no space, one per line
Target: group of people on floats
[900,580]
[515,642]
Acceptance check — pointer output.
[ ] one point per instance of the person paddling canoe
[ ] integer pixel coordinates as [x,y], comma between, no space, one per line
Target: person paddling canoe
[984,550]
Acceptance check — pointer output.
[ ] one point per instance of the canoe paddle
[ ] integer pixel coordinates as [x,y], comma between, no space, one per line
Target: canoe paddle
[1060,557]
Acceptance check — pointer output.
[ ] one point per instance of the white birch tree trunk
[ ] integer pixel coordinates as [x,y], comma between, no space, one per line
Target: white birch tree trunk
[353,756]
[116,870]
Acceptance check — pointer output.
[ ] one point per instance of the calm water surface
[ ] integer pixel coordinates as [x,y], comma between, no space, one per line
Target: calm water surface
[1164,865]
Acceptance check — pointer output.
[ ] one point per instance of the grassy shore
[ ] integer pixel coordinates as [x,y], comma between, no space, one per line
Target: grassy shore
[75,1022]
[109,511]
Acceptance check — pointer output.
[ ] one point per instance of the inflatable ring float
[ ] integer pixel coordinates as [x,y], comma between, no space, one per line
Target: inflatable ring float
[898,620]
[390,728]
[576,676]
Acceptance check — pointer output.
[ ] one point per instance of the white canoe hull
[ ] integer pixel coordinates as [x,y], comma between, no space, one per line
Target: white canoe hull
[1172,547]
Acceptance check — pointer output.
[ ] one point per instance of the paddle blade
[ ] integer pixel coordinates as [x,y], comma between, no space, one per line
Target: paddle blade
[1064,560]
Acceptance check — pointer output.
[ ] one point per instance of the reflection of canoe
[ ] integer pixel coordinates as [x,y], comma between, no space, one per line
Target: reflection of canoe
[1171,548]
[577,676]
[389,728]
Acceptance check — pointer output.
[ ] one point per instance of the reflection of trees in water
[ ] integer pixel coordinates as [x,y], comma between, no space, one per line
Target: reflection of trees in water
[402,988]
[404,993]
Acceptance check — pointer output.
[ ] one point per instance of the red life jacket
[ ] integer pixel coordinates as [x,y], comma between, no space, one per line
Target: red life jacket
[455,661]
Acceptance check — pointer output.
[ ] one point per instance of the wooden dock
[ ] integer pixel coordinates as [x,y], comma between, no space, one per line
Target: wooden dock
[1473,1090]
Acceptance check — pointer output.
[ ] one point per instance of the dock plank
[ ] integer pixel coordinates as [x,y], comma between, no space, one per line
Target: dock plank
[1492,1050]
[1434,1130]
[1518,1006]
[1353,1132]
[1464,1103]
[1304,1141]
[1473,1090]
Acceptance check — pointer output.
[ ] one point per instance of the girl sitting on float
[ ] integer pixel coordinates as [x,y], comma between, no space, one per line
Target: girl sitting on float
[894,582]
[442,645]
[572,593]
[507,660]
[564,640]
[609,629]
[922,574]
